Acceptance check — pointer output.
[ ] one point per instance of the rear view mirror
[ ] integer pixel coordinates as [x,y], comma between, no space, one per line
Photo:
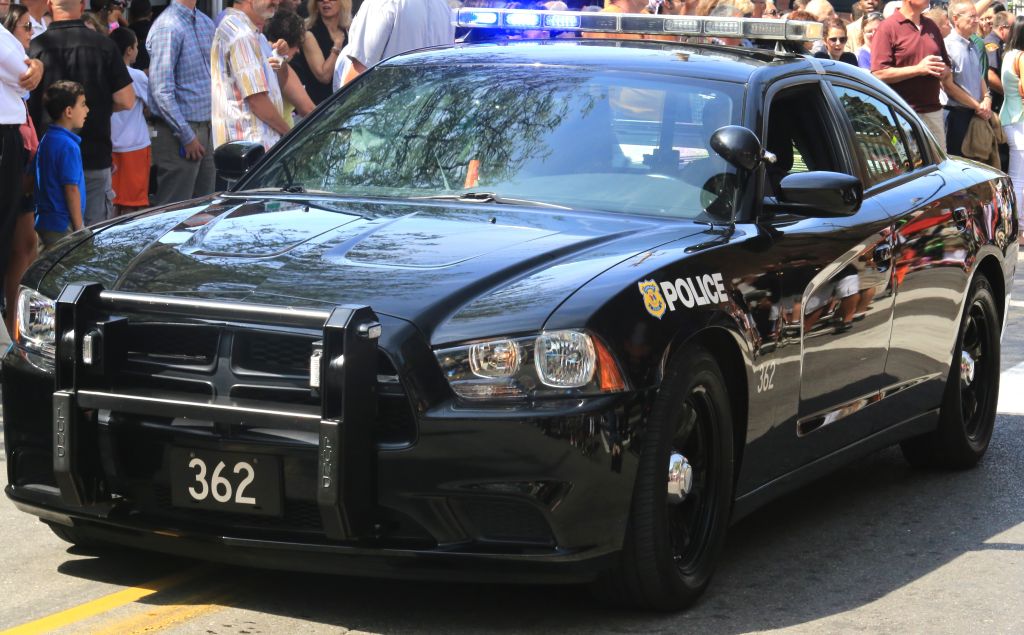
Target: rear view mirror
[235,158]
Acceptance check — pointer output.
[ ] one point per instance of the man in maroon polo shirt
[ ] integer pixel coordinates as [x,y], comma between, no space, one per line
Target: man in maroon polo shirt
[907,52]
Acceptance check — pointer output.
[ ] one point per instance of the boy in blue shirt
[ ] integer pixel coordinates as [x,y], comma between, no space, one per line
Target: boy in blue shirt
[60,180]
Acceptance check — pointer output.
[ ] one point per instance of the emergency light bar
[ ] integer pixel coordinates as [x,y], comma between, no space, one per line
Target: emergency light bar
[689,25]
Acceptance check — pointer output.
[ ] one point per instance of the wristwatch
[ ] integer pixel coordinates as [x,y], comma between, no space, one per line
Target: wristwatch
[335,50]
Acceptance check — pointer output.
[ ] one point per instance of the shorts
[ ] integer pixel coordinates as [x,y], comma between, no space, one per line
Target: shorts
[848,285]
[48,237]
[130,178]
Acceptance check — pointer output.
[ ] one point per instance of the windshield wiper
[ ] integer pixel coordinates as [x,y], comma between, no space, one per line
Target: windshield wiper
[291,188]
[487,197]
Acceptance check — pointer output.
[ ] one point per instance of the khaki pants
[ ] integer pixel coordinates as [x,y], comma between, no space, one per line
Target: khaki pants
[936,122]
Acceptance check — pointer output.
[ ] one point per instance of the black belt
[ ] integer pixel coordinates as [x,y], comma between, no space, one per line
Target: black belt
[10,126]
[958,108]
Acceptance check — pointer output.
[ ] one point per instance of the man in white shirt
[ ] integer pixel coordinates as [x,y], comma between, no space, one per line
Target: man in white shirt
[246,96]
[967,94]
[389,27]
[37,16]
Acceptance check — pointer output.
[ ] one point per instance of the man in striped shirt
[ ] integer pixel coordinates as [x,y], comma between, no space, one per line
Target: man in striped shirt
[179,45]
[247,103]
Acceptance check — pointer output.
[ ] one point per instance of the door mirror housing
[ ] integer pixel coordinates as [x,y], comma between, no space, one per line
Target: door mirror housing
[739,146]
[235,158]
[818,194]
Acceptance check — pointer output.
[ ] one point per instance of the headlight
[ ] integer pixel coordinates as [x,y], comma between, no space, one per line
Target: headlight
[36,322]
[564,363]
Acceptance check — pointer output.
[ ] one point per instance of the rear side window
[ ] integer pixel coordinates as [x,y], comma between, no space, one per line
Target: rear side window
[879,139]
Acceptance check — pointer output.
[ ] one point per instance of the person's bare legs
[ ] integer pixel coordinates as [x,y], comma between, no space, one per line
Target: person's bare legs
[23,252]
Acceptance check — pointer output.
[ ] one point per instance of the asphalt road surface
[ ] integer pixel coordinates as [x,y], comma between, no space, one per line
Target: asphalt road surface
[875,547]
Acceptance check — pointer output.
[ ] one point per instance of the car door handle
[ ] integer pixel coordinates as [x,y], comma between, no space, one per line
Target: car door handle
[960,218]
[882,256]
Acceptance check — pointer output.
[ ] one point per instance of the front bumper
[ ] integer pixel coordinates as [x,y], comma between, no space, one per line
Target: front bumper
[537,493]
[553,566]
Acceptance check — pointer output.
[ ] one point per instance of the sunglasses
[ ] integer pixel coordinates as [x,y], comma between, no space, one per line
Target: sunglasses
[839,40]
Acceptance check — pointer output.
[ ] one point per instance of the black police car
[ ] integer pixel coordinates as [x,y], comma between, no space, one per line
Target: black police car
[541,310]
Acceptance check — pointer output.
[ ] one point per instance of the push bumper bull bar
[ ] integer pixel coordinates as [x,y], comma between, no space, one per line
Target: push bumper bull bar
[88,320]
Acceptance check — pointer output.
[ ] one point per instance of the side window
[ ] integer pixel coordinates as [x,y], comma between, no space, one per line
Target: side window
[877,136]
[911,138]
[798,134]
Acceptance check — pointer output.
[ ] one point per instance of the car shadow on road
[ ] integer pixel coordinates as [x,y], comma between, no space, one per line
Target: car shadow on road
[846,541]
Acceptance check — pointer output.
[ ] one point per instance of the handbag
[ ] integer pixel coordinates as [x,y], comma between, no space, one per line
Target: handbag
[29,138]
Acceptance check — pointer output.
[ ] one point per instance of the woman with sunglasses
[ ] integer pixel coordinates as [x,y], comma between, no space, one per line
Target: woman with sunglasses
[326,32]
[868,25]
[853,29]
[1011,116]
[17,22]
[835,43]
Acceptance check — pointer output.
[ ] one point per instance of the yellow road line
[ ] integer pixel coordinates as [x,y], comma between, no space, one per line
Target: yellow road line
[157,618]
[106,603]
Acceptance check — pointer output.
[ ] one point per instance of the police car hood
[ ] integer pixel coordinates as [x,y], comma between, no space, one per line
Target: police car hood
[456,271]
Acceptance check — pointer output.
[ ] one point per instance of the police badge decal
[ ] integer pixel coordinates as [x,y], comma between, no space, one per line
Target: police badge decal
[654,302]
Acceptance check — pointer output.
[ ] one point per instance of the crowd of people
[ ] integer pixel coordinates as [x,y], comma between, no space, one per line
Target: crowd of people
[110,110]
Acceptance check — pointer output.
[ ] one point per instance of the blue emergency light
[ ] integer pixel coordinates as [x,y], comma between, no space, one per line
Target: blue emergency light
[640,24]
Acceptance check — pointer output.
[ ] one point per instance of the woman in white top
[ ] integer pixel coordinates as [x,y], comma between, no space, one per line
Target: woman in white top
[17,225]
[868,25]
[1011,115]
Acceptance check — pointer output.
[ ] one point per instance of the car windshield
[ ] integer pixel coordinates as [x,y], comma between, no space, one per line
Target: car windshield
[578,138]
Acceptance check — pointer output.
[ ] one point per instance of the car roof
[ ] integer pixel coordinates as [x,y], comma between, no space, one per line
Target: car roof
[724,63]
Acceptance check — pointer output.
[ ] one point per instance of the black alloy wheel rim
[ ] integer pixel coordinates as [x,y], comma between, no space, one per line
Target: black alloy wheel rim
[976,393]
[690,522]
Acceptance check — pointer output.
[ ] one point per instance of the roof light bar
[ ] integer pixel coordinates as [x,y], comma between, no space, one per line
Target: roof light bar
[753,28]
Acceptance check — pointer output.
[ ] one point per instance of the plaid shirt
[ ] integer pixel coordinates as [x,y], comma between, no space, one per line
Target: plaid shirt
[240,70]
[179,44]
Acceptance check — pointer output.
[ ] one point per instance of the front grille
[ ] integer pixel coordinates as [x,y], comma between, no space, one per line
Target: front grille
[259,365]
[274,353]
[170,344]
[172,384]
[275,394]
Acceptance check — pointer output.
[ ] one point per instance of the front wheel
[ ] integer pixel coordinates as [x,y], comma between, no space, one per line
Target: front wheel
[683,492]
[969,403]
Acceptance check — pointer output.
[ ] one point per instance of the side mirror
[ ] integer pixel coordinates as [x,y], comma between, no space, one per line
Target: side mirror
[738,145]
[234,159]
[820,194]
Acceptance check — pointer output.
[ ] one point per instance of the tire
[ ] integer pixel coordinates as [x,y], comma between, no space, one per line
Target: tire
[670,552]
[968,411]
